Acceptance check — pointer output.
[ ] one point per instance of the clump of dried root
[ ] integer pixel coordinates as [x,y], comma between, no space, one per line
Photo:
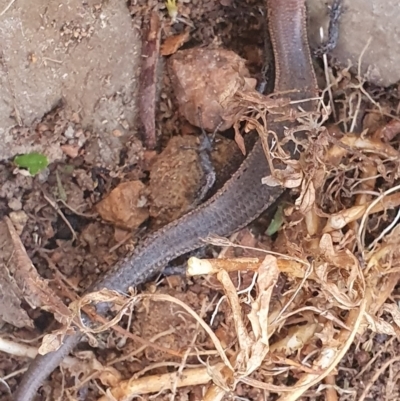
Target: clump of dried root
[338,252]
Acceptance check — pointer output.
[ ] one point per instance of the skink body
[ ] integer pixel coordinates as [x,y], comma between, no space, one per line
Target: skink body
[241,200]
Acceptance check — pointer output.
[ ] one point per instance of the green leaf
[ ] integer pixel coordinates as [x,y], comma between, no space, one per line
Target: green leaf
[34,162]
[276,222]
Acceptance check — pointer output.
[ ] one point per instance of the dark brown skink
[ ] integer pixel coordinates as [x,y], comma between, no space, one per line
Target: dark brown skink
[241,200]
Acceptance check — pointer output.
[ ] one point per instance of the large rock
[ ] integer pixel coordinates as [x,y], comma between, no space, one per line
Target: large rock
[363,20]
[86,53]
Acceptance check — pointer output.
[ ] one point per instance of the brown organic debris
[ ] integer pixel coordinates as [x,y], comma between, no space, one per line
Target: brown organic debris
[20,281]
[167,381]
[214,82]
[173,43]
[148,77]
[175,179]
[125,206]
[340,278]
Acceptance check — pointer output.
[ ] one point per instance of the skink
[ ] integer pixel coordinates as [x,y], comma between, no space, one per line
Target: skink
[240,201]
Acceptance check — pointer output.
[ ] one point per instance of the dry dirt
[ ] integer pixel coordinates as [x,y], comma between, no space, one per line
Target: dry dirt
[69,78]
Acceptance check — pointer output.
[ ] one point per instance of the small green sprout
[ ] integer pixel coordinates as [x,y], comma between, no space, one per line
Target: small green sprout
[34,162]
[172,9]
[277,221]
